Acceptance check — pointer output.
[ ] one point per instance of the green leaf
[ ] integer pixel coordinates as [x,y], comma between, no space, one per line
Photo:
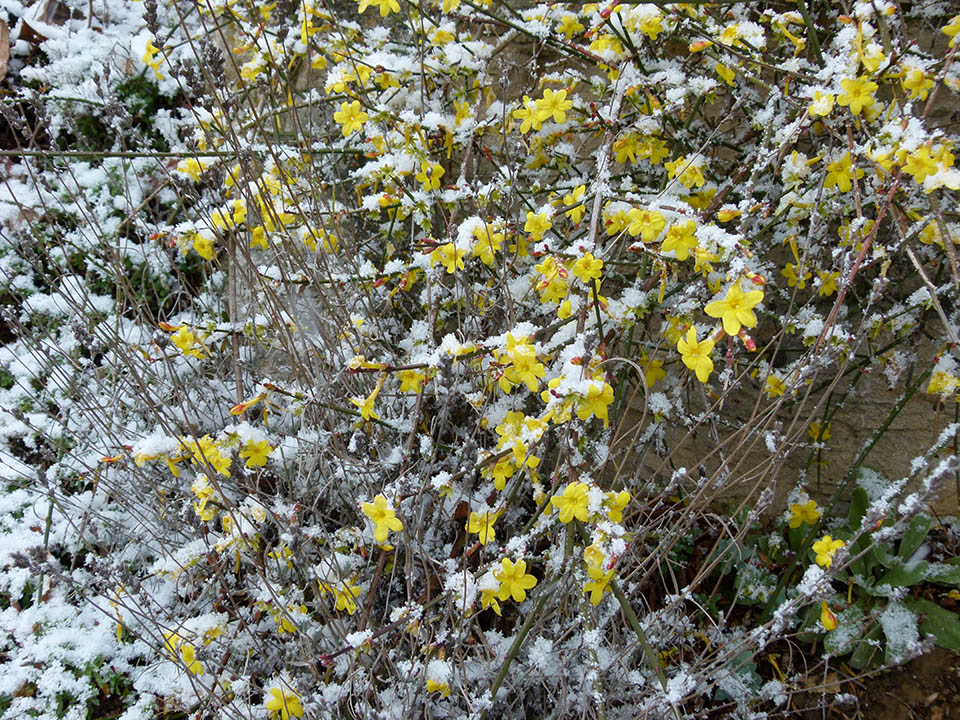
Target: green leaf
[863,565]
[850,624]
[858,508]
[899,625]
[935,620]
[944,574]
[883,556]
[905,575]
[867,651]
[914,536]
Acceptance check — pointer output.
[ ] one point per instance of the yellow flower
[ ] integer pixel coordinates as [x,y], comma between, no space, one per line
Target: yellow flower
[351,116]
[449,256]
[588,268]
[204,246]
[573,502]
[524,366]
[184,651]
[857,93]
[430,175]
[366,405]
[616,502]
[952,29]
[442,37]
[806,513]
[488,598]
[463,111]
[385,6]
[252,68]
[825,548]
[599,583]
[652,26]
[646,223]
[537,224]
[189,655]
[775,386]
[483,526]
[736,309]
[383,518]
[840,174]
[822,104]
[528,115]
[727,75]
[575,213]
[256,453]
[920,164]
[569,24]
[828,283]
[284,623]
[827,618]
[627,147]
[872,57]
[258,237]
[346,596]
[150,58]
[916,82]
[652,369]
[691,174]
[411,380]
[596,402]
[502,471]
[696,355]
[192,167]
[187,342]
[681,238]
[432,685]
[702,260]
[815,431]
[790,273]
[284,704]
[942,383]
[554,105]
[488,244]
[514,580]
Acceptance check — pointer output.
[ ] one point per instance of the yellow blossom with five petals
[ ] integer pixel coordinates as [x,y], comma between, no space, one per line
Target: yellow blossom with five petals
[514,580]
[383,518]
[736,309]
[573,502]
[696,354]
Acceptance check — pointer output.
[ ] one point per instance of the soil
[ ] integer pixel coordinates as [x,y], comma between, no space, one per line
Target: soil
[927,688]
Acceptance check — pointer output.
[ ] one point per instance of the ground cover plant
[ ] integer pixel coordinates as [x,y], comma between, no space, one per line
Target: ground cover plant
[394,359]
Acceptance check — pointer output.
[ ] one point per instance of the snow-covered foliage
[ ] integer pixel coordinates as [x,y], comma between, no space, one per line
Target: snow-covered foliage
[390,359]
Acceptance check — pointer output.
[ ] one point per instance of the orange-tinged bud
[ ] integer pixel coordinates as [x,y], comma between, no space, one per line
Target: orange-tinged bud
[699,45]
[827,618]
[111,458]
[167,326]
[242,407]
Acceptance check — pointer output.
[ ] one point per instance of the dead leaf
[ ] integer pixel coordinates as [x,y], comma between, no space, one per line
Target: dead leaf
[36,25]
[4,48]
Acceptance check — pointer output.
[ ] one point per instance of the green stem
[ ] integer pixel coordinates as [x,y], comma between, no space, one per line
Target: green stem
[518,641]
[814,532]
[812,30]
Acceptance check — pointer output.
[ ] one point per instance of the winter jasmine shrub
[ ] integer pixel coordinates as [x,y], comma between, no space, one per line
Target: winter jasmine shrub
[388,359]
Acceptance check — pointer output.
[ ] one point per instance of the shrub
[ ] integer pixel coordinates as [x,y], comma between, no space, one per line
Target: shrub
[467,358]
